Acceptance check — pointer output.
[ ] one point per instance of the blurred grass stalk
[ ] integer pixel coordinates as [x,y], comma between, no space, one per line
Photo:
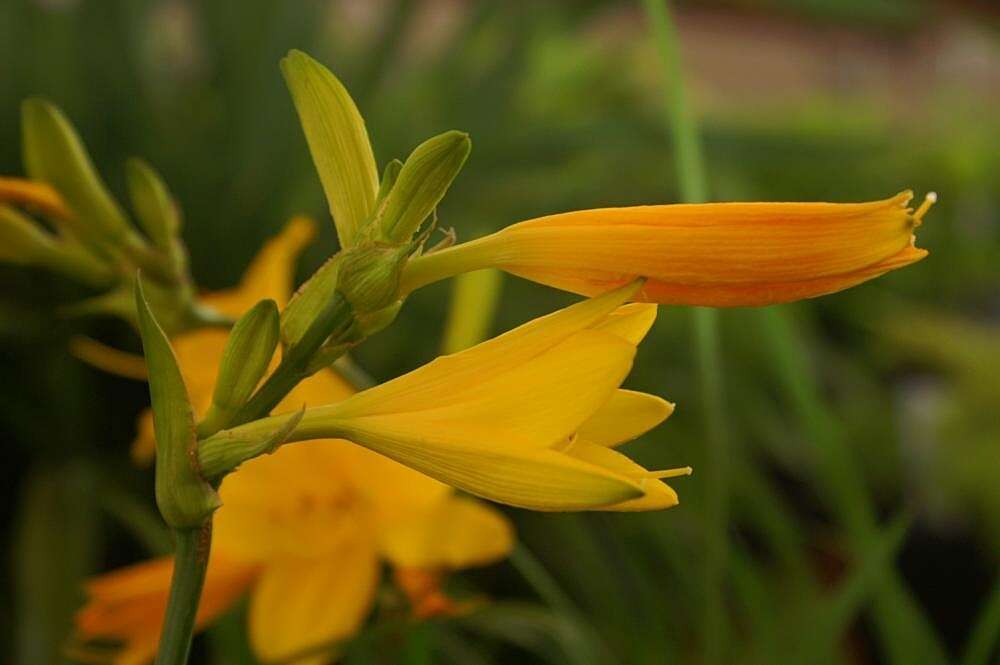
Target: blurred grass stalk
[906,635]
[708,354]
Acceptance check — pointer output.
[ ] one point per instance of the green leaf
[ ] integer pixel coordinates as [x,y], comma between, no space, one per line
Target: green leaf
[422,183]
[248,353]
[338,141]
[184,498]
[837,613]
[154,207]
[54,153]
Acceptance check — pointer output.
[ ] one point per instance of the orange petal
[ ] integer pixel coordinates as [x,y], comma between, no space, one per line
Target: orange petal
[34,194]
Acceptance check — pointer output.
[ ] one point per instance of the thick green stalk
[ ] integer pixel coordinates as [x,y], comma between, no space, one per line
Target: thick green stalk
[190,563]
[691,176]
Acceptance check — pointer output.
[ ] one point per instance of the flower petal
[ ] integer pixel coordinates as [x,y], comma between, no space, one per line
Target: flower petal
[523,477]
[447,377]
[456,533]
[625,416]
[630,322]
[270,273]
[718,254]
[303,605]
[128,604]
[656,495]
[533,405]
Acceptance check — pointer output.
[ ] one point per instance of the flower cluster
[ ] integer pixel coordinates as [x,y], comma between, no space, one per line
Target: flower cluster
[532,418]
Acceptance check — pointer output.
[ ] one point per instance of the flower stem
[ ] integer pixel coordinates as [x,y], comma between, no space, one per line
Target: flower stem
[692,180]
[190,563]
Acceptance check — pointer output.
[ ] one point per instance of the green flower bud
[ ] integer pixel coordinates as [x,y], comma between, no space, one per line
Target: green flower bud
[53,153]
[24,242]
[153,205]
[369,276]
[421,184]
[247,355]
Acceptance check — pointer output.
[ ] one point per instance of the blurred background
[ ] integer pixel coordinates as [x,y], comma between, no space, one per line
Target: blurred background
[862,481]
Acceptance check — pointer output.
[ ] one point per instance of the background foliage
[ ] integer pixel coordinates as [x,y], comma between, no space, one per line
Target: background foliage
[863,501]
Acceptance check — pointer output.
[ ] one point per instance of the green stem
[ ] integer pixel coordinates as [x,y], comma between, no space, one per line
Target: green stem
[190,563]
[693,186]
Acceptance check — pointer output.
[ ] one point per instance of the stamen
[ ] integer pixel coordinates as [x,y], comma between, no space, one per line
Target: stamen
[670,473]
[929,200]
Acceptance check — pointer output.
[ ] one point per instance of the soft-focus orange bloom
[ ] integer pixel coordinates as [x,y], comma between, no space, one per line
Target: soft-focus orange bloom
[711,254]
[34,194]
[304,530]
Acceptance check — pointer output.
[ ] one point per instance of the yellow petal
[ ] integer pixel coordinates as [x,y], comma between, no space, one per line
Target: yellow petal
[656,495]
[533,405]
[305,604]
[630,322]
[456,533]
[625,416]
[526,478]
[270,273]
[447,376]
[297,502]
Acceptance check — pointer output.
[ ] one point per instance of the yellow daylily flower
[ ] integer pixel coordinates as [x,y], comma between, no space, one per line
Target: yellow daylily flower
[711,254]
[529,418]
[302,531]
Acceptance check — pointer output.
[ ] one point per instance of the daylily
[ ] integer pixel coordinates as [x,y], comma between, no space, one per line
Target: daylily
[530,418]
[711,254]
[302,531]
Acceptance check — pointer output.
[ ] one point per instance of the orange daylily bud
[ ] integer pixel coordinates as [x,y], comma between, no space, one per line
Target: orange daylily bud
[34,194]
[711,254]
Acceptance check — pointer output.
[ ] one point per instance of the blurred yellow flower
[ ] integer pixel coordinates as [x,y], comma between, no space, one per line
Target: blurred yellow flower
[302,530]
[530,418]
[712,254]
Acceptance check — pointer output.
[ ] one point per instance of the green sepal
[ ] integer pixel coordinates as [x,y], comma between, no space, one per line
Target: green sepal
[155,209]
[184,498]
[54,153]
[421,184]
[338,142]
[308,300]
[247,355]
[224,451]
